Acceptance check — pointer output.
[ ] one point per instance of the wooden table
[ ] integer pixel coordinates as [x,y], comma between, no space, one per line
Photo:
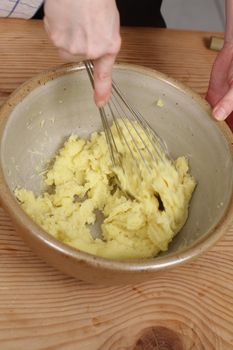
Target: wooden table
[190,307]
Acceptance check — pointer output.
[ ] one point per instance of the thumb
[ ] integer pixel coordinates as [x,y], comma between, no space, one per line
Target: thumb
[103,79]
[225,106]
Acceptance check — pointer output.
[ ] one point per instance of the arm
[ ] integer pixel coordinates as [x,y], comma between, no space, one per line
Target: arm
[220,91]
[86,29]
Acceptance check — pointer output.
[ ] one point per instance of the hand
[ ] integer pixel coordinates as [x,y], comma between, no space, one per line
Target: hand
[220,91]
[86,29]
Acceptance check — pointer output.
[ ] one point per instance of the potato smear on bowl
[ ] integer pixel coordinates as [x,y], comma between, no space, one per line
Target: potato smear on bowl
[142,209]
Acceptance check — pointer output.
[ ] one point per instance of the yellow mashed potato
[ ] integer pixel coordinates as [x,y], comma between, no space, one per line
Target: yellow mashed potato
[143,208]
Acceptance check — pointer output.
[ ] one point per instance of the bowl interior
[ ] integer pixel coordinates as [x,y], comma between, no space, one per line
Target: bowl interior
[56,108]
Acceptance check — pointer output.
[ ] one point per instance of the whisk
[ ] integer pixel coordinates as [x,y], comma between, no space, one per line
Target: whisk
[118,111]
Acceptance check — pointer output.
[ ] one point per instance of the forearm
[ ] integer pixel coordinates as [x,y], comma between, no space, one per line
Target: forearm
[229,21]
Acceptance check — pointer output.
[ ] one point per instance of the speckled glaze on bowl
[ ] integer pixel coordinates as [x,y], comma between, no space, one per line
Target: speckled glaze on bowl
[39,115]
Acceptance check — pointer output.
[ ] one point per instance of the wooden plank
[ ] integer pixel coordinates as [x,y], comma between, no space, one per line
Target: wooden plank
[190,307]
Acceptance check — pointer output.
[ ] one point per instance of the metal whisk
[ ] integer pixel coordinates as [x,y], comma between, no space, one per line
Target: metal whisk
[120,113]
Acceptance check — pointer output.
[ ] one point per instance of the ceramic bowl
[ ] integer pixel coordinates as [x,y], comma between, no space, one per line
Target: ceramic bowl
[43,112]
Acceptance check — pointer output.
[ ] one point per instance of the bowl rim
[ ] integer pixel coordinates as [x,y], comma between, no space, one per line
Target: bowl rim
[10,204]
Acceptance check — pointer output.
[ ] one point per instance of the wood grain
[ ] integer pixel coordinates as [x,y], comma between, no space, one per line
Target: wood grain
[190,307]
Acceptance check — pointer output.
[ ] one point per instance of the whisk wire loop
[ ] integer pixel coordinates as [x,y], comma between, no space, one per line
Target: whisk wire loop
[142,141]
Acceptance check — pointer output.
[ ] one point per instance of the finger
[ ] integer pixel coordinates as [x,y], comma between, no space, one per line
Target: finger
[225,106]
[212,97]
[66,56]
[103,79]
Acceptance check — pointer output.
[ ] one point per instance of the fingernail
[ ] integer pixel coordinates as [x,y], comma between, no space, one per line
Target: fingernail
[219,113]
[101,103]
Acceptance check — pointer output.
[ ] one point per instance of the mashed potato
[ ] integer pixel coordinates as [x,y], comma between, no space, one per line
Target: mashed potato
[143,204]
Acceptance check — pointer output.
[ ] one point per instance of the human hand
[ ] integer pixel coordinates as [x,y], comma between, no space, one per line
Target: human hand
[220,91]
[86,29]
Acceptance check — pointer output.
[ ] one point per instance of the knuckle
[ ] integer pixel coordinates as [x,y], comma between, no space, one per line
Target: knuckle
[57,39]
[92,52]
[103,75]
[73,48]
[118,42]
[115,46]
